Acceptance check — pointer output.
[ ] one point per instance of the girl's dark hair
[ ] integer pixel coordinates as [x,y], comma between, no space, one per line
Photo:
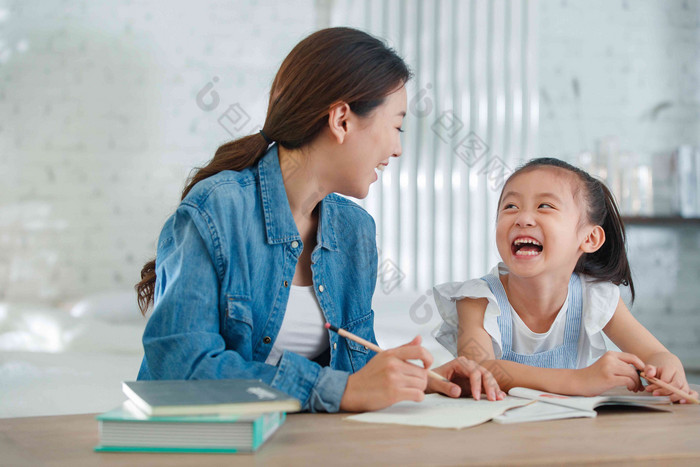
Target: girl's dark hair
[609,262]
[330,66]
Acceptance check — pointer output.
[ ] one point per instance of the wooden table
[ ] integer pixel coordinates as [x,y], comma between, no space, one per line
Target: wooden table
[638,438]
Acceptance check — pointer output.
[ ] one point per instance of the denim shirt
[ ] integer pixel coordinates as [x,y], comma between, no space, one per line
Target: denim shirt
[225,260]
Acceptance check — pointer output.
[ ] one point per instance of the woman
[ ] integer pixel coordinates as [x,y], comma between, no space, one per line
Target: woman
[262,252]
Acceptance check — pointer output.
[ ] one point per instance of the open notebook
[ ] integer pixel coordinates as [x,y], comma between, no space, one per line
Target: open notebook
[440,412]
[522,405]
[549,406]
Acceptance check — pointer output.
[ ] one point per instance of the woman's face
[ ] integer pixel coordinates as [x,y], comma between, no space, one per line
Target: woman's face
[369,144]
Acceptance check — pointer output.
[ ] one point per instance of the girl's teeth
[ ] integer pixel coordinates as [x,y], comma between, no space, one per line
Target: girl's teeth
[527,253]
[530,241]
[381,167]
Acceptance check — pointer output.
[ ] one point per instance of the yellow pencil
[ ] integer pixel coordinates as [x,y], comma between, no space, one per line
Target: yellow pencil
[371,346]
[665,385]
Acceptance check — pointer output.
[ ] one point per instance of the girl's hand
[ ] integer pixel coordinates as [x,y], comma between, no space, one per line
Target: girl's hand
[667,368]
[388,378]
[611,370]
[470,378]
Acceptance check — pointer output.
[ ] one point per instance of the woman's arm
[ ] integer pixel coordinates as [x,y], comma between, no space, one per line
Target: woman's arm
[475,343]
[388,378]
[183,337]
[183,340]
[631,336]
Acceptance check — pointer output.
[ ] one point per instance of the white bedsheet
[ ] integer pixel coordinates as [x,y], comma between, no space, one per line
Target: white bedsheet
[52,362]
[41,383]
[63,360]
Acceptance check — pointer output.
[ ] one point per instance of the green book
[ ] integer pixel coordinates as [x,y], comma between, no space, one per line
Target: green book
[126,429]
[160,398]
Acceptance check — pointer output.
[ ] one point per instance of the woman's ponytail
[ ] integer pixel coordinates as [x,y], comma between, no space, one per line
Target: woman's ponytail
[234,155]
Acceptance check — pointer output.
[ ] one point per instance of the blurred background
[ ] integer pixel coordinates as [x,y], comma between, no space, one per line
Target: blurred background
[106,107]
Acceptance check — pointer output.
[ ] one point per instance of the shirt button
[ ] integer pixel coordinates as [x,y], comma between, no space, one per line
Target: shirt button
[286,284]
[335,346]
[295,244]
[267,339]
[321,288]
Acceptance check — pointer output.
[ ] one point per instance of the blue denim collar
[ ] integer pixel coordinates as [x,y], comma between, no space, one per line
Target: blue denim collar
[279,222]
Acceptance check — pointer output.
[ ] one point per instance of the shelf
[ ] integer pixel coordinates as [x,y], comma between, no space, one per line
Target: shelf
[661,220]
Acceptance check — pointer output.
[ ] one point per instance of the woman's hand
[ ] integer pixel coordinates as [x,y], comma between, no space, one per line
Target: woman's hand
[388,378]
[611,370]
[465,377]
[668,368]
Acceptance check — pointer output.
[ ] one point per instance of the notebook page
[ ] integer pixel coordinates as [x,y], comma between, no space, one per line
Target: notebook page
[440,412]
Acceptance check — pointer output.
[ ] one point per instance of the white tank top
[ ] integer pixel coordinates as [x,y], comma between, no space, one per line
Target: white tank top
[302,330]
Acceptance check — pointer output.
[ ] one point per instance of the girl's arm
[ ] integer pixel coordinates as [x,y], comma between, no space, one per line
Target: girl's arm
[631,336]
[474,343]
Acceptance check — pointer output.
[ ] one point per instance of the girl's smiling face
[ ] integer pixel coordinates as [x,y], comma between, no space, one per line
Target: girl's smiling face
[542,224]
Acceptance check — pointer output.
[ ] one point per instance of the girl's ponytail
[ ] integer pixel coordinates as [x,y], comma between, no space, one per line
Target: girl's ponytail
[609,263]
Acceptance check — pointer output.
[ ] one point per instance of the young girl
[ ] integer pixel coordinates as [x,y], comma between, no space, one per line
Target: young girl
[536,320]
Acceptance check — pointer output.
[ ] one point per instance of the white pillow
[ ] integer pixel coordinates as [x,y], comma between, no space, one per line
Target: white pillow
[113,306]
[38,328]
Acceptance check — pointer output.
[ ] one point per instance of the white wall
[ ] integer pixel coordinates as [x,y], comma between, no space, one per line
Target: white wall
[631,70]
[99,125]
[618,67]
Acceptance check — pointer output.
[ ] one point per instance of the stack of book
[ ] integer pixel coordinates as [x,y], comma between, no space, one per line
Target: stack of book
[224,416]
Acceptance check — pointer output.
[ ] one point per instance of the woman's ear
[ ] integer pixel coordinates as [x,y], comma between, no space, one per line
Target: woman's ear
[594,240]
[338,121]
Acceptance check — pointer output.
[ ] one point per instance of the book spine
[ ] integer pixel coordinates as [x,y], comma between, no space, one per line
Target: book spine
[258,432]
[264,426]
[102,448]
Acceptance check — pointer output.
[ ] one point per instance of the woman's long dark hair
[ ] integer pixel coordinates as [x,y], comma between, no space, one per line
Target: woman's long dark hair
[330,66]
[609,262]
